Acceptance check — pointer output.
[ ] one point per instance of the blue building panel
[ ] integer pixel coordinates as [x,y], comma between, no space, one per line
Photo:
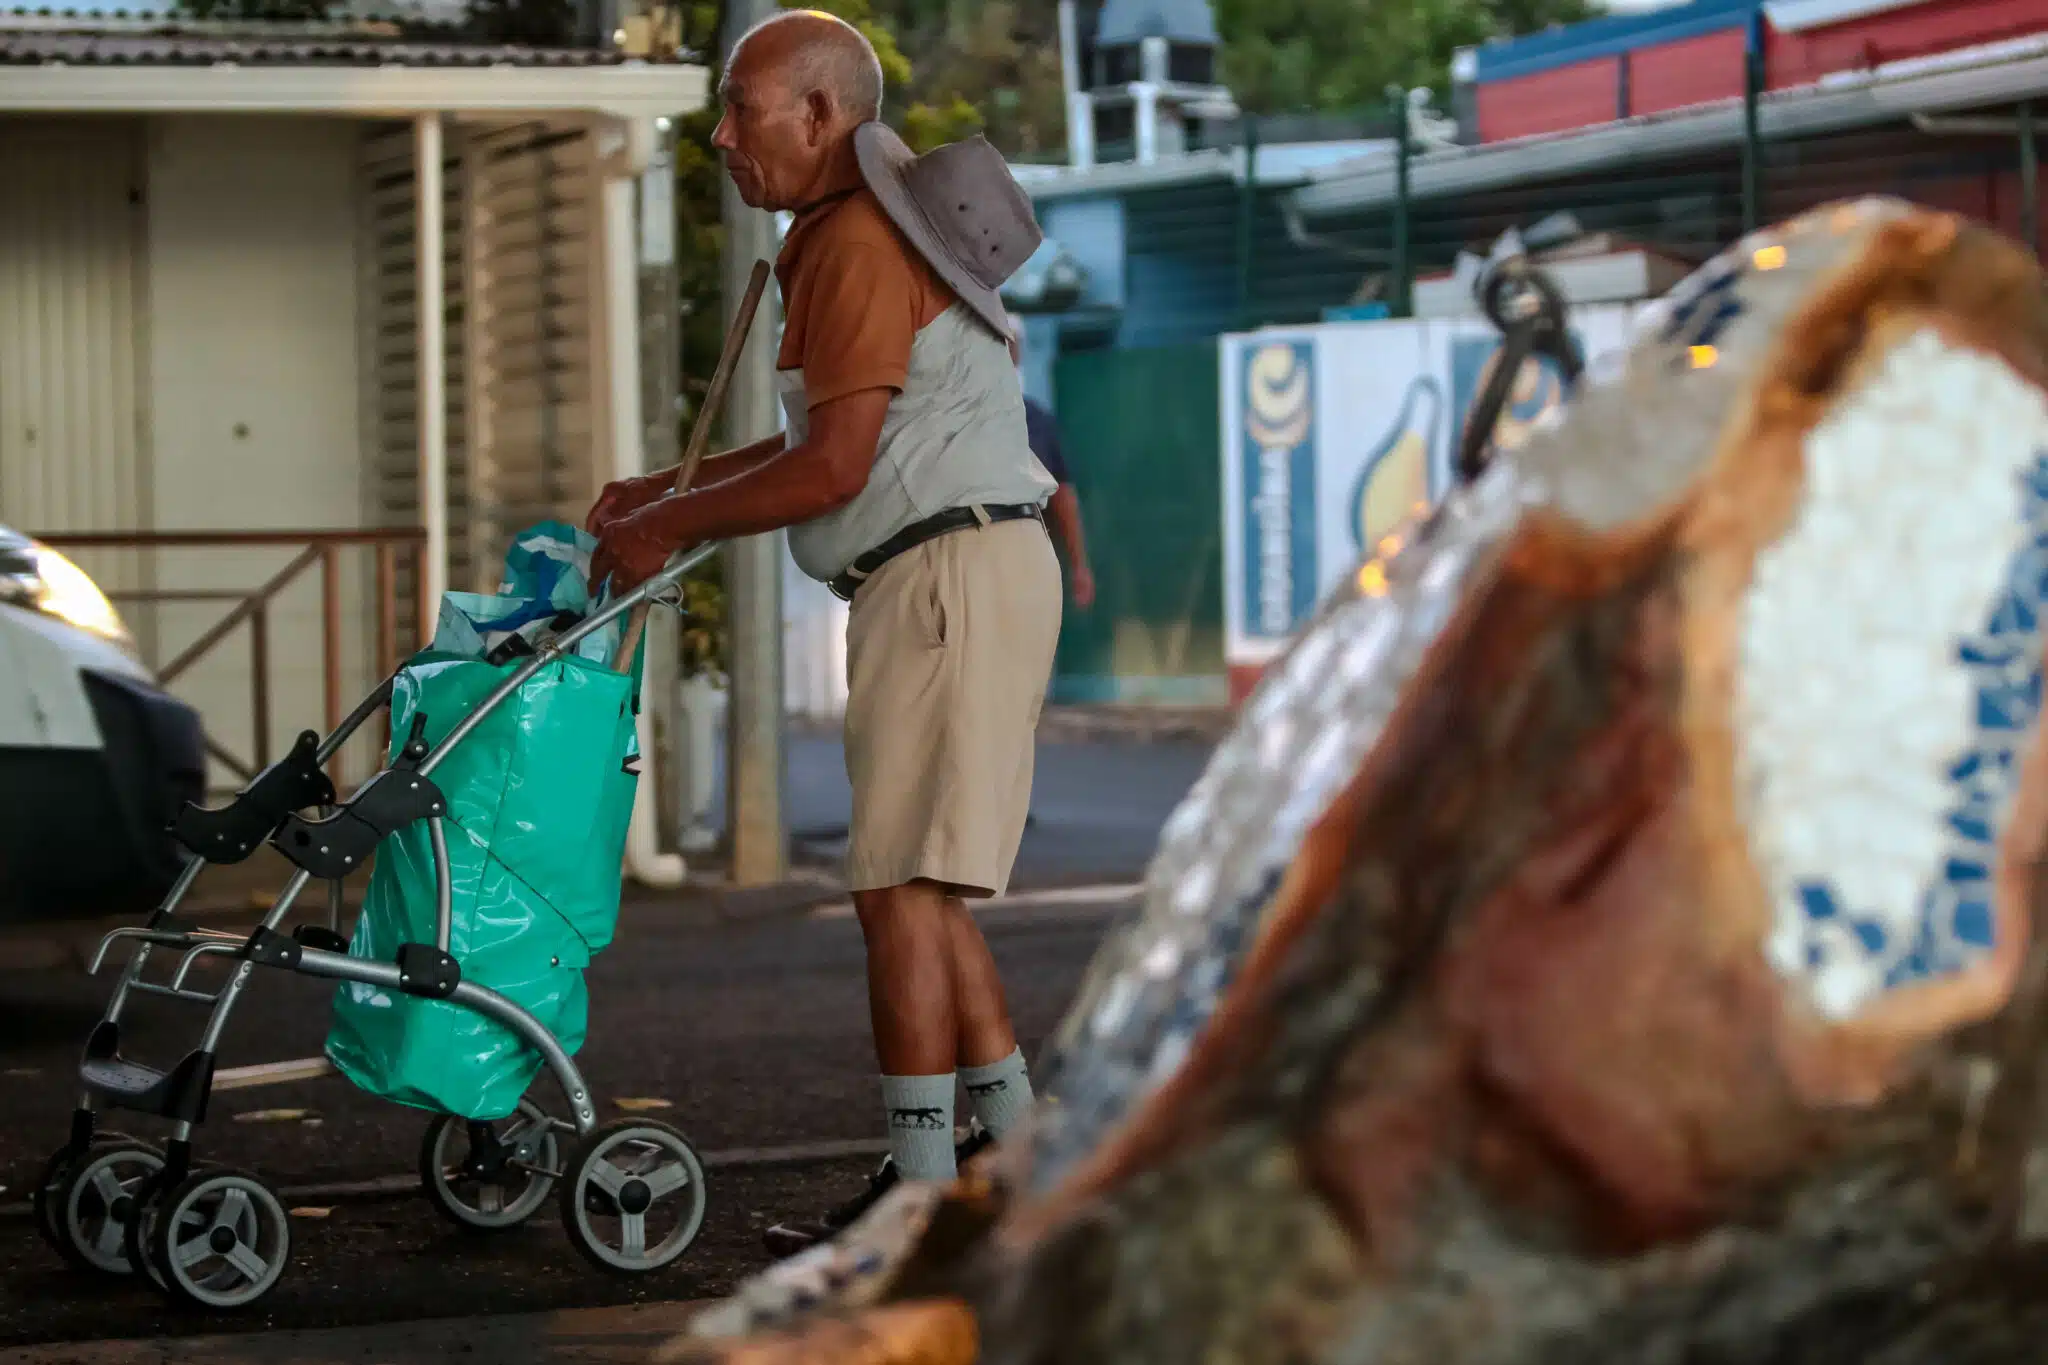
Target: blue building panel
[1538,52]
[1092,231]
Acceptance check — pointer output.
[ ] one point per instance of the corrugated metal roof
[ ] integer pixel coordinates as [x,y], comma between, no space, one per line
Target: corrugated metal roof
[45,47]
[1992,74]
[1508,58]
[154,33]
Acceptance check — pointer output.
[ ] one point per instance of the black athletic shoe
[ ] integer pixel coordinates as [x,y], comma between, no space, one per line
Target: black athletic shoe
[787,1239]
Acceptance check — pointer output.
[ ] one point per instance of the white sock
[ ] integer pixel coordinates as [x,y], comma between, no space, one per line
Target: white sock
[1000,1093]
[920,1114]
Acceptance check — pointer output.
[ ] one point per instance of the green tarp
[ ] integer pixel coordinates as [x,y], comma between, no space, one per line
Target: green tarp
[540,796]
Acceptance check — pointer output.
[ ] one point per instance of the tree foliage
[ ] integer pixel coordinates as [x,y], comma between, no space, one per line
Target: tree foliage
[1287,56]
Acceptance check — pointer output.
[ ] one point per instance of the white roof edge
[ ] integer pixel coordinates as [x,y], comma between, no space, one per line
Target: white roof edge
[1799,16]
[632,91]
[1996,73]
[1188,168]
[1042,182]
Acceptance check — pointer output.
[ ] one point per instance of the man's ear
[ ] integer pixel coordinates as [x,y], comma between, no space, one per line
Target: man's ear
[818,115]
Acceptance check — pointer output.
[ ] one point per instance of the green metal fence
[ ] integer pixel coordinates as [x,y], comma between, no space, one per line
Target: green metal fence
[1689,202]
[1139,429]
[1141,425]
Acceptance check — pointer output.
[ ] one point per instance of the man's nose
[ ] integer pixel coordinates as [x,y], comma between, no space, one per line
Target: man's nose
[721,136]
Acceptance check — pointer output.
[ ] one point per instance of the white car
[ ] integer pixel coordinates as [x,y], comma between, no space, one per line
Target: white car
[95,758]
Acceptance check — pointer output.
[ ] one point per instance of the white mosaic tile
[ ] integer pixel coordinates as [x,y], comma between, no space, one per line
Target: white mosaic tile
[1890,673]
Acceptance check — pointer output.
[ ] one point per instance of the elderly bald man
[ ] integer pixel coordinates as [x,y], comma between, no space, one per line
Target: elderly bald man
[907,482]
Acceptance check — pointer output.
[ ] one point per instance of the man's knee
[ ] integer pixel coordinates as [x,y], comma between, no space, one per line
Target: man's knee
[900,908]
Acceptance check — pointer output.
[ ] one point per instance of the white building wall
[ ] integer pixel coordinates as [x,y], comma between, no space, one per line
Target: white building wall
[253,394]
[72,440]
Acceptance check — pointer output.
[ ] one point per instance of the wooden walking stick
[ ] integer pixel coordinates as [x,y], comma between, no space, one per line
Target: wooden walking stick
[700,430]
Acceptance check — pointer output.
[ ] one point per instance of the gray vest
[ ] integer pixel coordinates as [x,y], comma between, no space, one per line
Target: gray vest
[953,437]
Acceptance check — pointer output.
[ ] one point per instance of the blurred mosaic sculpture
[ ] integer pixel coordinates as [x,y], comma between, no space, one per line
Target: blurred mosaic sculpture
[1608,935]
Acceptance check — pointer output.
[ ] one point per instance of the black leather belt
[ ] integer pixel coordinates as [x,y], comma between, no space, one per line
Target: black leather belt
[918,532]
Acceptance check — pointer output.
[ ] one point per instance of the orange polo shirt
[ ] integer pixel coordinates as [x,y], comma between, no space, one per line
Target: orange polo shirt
[855,294]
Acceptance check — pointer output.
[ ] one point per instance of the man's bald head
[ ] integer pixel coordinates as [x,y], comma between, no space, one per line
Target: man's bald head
[810,52]
[795,88]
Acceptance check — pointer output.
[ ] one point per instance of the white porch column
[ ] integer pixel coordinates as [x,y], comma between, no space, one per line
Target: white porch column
[432,372]
[1145,97]
[627,436]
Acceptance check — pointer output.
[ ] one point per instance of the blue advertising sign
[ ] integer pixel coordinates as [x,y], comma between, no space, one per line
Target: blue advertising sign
[1277,448]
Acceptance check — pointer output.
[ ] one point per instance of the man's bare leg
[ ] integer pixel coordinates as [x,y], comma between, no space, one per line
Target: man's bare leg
[991,1063]
[983,1031]
[913,1006]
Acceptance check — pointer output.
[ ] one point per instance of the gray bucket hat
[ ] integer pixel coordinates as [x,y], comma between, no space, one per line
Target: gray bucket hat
[961,209]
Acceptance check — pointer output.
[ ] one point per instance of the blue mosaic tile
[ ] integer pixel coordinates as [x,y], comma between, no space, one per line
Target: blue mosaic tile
[1972,923]
[1954,926]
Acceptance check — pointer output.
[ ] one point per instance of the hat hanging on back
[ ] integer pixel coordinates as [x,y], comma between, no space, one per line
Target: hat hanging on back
[960,207]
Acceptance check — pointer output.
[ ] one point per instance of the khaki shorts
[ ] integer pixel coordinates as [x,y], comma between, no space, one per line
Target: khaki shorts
[949,648]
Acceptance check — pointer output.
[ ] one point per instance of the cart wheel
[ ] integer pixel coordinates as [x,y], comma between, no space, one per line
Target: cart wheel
[221,1239]
[634,1199]
[140,1235]
[98,1201]
[46,1200]
[485,1186]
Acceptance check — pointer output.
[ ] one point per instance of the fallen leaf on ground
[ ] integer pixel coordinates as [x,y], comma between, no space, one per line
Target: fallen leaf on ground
[642,1106]
[311,1213]
[24,1071]
[272,1115]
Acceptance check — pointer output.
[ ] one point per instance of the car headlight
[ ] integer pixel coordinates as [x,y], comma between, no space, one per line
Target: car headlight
[35,576]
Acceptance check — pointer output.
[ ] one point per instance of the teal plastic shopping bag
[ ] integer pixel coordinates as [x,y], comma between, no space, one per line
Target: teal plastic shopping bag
[539,796]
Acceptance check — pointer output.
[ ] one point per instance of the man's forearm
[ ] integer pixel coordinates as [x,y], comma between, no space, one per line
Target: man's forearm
[720,465]
[744,497]
[1065,510]
[730,464]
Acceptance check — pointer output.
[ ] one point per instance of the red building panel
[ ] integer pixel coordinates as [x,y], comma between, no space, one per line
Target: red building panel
[1689,71]
[1893,35]
[1551,101]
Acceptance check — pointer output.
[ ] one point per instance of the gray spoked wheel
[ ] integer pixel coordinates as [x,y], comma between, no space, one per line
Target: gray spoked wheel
[46,1200]
[221,1239]
[98,1202]
[488,1176]
[141,1235]
[634,1197]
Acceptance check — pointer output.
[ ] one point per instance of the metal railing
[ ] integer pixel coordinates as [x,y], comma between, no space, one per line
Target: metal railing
[321,550]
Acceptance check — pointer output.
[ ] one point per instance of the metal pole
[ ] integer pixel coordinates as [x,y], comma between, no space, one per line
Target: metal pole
[1247,219]
[2030,181]
[1752,136]
[753,567]
[1397,301]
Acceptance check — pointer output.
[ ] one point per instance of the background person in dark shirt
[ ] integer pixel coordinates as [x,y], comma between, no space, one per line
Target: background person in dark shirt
[1064,510]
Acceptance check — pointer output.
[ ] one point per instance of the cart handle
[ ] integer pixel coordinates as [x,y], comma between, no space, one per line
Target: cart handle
[671,574]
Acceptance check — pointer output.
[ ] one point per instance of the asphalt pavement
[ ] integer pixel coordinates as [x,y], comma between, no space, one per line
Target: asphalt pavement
[749,1033]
